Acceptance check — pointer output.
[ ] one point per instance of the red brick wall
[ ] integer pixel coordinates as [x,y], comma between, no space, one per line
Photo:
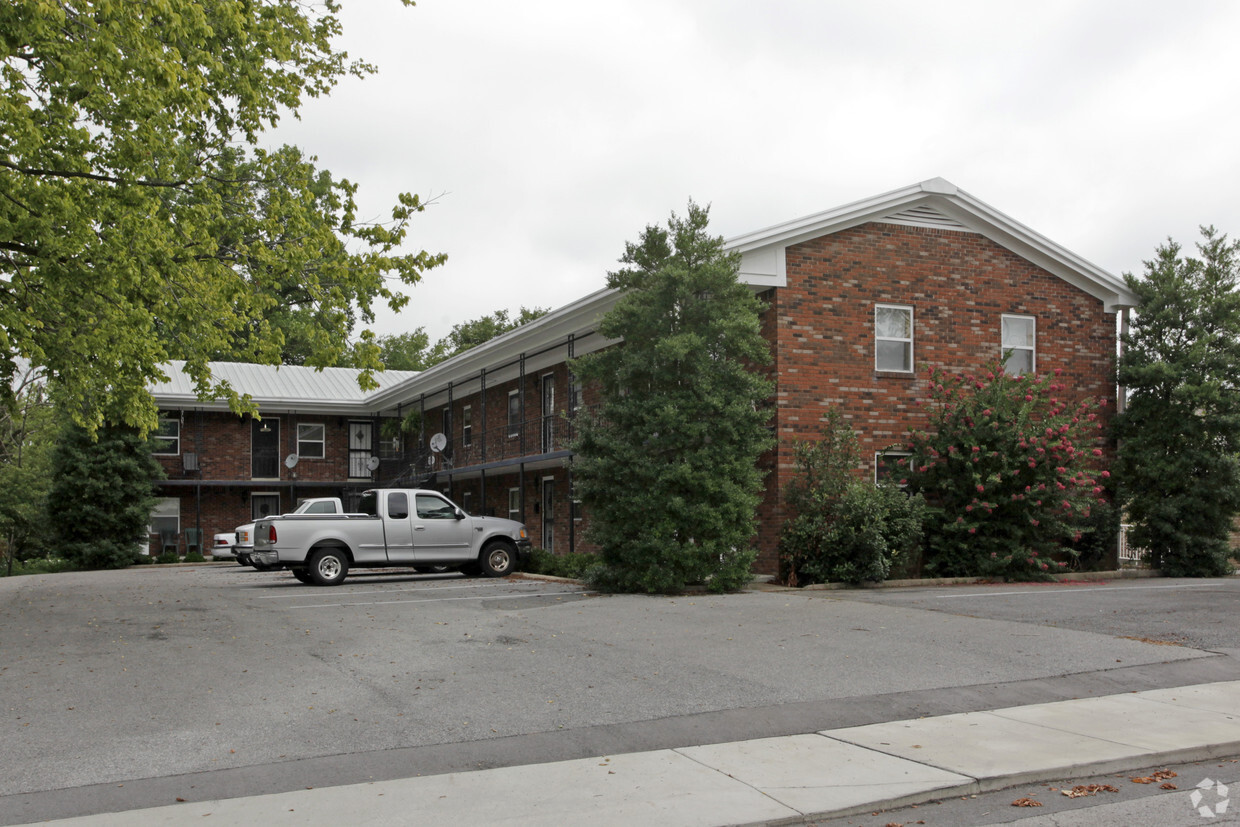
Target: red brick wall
[222,442]
[959,284]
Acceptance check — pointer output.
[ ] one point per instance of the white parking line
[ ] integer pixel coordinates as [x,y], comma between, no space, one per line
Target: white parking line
[303,593]
[1076,591]
[429,600]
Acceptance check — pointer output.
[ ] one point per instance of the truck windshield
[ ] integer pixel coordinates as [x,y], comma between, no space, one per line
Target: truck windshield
[369,504]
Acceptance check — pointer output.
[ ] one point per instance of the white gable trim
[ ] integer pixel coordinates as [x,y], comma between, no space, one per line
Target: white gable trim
[939,203]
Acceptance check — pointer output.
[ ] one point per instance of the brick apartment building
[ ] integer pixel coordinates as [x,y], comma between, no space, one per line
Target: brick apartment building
[860,301]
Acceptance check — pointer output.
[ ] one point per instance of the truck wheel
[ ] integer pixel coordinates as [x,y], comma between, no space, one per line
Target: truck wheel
[328,567]
[498,559]
[302,575]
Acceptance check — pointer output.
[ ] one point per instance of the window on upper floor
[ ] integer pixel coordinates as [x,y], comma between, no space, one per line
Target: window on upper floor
[310,440]
[467,426]
[893,338]
[167,437]
[1019,344]
[514,413]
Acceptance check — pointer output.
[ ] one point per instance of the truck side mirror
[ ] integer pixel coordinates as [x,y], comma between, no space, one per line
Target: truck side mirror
[460,515]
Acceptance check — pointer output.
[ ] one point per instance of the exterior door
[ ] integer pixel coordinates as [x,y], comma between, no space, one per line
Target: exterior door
[265,449]
[360,450]
[548,514]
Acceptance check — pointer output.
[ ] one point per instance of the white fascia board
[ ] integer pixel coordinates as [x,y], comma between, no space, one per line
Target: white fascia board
[273,407]
[577,318]
[837,219]
[764,252]
[1037,248]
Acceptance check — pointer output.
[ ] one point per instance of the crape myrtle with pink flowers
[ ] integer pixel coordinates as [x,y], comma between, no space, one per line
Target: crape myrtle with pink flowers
[1011,470]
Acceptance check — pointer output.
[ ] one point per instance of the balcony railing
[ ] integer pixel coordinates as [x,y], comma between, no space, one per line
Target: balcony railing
[531,438]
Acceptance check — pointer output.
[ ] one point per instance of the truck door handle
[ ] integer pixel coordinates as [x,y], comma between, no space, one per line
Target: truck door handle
[419,528]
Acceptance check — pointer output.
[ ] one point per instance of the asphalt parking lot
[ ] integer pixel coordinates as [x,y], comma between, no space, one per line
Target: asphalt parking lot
[143,685]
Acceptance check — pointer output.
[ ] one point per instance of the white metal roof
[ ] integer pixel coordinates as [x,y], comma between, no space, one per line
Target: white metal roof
[280,387]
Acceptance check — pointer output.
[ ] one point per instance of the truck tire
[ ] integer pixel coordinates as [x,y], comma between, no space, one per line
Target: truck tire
[328,566]
[302,575]
[498,559]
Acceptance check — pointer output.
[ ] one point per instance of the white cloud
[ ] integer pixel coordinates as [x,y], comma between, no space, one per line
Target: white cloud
[553,131]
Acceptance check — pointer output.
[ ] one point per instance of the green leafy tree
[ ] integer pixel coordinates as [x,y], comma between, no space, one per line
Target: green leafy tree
[414,351]
[104,485]
[142,221]
[1011,471]
[27,434]
[843,528]
[667,464]
[477,331]
[1180,432]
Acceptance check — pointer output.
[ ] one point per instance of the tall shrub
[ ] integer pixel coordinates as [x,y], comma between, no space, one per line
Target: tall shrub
[102,495]
[667,464]
[843,528]
[1180,433]
[1011,470]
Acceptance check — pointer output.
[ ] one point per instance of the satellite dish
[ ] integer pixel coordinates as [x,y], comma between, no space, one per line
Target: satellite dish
[290,462]
[372,463]
[438,442]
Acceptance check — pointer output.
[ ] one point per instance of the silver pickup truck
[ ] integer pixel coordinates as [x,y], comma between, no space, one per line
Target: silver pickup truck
[395,527]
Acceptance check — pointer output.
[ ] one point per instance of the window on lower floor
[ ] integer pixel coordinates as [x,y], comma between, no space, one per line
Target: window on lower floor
[893,338]
[514,504]
[166,517]
[887,467]
[1019,344]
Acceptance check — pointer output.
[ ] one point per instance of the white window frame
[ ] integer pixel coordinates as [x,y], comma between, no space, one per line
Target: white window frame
[879,456]
[908,341]
[303,440]
[467,427]
[174,440]
[165,508]
[467,502]
[1033,349]
[514,504]
[514,428]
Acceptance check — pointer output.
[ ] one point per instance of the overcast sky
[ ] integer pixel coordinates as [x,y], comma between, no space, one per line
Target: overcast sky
[552,131]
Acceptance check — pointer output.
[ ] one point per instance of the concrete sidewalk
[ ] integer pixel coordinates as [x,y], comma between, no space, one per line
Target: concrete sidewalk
[772,780]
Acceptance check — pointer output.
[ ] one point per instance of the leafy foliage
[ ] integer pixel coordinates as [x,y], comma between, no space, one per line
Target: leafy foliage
[844,529]
[1009,469]
[572,565]
[1180,432]
[103,484]
[141,221]
[413,350]
[27,426]
[667,463]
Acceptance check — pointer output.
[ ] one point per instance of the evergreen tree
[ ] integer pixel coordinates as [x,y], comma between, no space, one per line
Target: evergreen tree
[667,463]
[1180,434]
[102,495]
